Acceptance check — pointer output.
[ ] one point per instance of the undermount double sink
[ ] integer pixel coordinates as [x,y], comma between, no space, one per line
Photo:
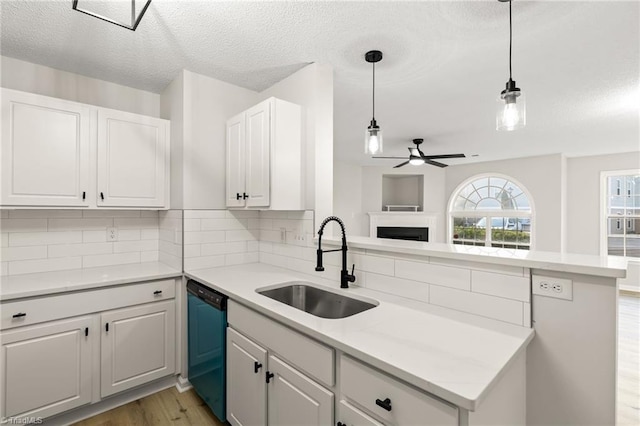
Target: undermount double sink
[316,301]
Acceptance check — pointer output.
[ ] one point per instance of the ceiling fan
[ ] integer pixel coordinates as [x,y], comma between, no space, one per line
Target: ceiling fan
[417,157]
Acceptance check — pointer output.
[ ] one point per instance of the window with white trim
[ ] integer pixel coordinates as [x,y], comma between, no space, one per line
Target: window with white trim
[491,211]
[621,236]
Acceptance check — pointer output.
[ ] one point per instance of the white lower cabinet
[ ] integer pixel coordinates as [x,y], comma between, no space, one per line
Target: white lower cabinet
[348,415]
[264,390]
[50,365]
[294,399]
[46,369]
[246,384]
[137,346]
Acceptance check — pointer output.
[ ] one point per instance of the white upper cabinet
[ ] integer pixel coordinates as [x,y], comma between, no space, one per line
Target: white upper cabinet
[264,157]
[57,153]
[133,160]
[44,150]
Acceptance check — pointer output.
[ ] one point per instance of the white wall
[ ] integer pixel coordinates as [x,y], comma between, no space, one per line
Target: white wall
[347,197]
[172,108]
[29,77]
[541,176]
[312,88]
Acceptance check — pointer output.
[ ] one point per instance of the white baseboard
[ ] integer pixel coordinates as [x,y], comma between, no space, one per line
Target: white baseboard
[183,384]
[110,403]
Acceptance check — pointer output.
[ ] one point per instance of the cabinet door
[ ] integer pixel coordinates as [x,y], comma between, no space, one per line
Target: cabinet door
[44,151]
[45,369]
[133,160]
[258,136]
[138,346]
[236,161]
[246,385]
[348,415]
[294,399]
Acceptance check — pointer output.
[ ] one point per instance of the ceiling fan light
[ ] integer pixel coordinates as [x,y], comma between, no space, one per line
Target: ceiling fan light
[416,161]
[373,139]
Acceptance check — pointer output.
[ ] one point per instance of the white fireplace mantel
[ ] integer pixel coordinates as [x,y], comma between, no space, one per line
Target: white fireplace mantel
[402,219]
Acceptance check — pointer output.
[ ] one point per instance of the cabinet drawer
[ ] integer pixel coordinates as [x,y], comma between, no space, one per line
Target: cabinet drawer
[406,406]
[49,308]
[303,352]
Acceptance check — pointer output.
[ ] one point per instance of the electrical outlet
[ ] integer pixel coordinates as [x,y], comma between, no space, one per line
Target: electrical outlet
[112,234]
[559,288]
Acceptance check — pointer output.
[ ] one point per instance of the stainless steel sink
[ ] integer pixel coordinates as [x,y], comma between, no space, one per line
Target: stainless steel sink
[316,301]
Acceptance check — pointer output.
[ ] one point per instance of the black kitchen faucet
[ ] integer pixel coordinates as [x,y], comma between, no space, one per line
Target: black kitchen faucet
[345,276]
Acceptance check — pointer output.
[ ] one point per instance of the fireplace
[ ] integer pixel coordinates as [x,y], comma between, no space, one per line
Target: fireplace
[403,233]
[414,226]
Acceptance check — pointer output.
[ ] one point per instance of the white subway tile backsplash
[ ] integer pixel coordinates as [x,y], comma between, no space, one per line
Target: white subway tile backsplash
[507,286]
[149,234]
[44,214]
[149,256]
[44,238]
[240,235]
[375,264]
[4,239]
[203,262]
[84,224]
[205,214]
[253,246]
[477,266]
[110,259]
[434,274]
[128,234]
[192,250]
[135,223]
[170,248]
[149,213]
[4,268]
[241,258]
[192,224]
[111,213]
[270,235]
[44,265]
[8,254]
[242,214]
[203,237]
[526,317]
[210,249]
[94,236]
[4,214]
[23,225]
[224,224]
[398,286]
[479,304]
[69,250]
[132,246]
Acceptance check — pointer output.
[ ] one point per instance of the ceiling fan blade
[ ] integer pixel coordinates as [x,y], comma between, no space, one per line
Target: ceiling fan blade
[401,164]
[432,157]
[434,163]
[394,158]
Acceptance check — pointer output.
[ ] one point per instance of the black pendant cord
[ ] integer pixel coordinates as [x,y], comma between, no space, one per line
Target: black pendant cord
[374,92]
[510,40]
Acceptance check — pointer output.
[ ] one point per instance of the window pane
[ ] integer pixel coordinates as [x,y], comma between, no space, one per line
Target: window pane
[616,226]
[632,226]
[498,182]
[489,204]
[467,228]
[459,203]
[615,246]
[633,246]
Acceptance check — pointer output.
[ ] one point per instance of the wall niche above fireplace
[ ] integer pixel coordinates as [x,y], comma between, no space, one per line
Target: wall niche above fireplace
[402,190]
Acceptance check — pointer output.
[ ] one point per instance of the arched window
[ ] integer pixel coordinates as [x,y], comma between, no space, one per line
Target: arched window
[493,211]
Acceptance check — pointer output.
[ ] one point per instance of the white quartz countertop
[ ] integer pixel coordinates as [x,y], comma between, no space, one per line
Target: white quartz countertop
[44,283]
[456,356]
[603,266]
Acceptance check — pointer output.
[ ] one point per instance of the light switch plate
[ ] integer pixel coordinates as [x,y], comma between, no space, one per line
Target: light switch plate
[559,288]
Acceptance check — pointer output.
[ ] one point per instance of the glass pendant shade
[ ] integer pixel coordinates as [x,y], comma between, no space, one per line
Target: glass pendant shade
[511,111]
[373,140]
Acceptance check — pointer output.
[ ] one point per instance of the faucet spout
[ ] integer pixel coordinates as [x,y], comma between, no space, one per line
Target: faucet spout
[345,277]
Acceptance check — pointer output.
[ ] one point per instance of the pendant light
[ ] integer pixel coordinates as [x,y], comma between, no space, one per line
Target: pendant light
[373,136]
[511,112]
[135,13]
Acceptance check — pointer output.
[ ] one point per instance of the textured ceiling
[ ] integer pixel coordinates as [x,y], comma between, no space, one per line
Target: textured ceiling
[445,63]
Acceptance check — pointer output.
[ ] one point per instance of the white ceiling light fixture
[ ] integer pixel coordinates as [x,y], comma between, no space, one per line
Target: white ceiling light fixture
[136,15]
[511,112]
[373,136]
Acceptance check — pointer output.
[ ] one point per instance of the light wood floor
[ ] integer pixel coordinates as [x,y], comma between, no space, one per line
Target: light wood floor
[628,360]
[168,407]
